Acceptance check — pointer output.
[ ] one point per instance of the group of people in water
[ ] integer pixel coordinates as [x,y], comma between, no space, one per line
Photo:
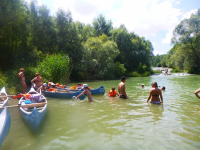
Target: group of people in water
[155,94]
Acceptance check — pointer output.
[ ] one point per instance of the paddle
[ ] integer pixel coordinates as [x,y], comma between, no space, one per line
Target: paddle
[28,105]
[7,96]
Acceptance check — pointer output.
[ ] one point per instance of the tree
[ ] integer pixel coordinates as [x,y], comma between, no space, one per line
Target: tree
[100,26]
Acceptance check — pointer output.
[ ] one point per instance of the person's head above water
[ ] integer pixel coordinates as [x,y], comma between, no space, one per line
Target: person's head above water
[113,88]
[142,85]
[154,84]
[163,88]
[123,78]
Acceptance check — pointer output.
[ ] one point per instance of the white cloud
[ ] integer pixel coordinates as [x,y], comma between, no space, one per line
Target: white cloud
[38,2]
[84,10]
[169,34]
[156,52]
[146,17]
[188,14]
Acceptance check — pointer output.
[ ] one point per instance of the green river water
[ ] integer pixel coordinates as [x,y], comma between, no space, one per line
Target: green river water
[114,123]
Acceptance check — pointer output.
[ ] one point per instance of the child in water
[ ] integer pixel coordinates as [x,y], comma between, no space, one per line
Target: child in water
[87,91]
[112,92]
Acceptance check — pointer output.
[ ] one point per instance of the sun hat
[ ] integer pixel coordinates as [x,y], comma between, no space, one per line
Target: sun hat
[45,84]
[85,85]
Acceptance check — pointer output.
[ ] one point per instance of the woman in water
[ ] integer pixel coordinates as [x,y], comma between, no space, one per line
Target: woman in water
[87,91]
[22,79]
[155,94]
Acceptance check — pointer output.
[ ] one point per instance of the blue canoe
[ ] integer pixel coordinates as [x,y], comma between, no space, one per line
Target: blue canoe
[33,116]
[98,91]
[68,95]
[4,117]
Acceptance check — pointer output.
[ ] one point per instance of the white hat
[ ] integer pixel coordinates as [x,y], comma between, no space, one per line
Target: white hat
[85,85]
[45,84]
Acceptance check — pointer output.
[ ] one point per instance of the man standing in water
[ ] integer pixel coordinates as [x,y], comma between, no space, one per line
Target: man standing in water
[22,79]
[121,88]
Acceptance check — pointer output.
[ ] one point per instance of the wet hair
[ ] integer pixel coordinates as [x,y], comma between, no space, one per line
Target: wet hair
[163,88]
[49,80]
[123,78]
[155,83]
[113,88]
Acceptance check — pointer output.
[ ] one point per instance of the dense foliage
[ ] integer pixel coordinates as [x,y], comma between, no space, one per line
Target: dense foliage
[55,67]
[33,39]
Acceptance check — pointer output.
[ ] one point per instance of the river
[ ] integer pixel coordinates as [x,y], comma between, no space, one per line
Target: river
[114,123]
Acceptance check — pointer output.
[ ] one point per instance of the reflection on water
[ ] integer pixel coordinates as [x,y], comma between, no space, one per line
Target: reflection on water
[113,123]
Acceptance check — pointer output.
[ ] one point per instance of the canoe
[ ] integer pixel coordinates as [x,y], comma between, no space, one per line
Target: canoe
[4,117]
[33,116]
[98,91]
[67,95]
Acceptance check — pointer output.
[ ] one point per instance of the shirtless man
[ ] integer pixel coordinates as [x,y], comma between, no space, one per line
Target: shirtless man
[196,93]
[38,81]
[22,79]
[87,91]
[121,88]
[154,94]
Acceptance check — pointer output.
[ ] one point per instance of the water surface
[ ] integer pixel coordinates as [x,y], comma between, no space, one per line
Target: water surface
[114,123]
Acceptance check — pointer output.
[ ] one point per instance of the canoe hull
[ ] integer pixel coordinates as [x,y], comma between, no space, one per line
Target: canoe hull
[98,91]
[34,119]
[5,124]
[64,95]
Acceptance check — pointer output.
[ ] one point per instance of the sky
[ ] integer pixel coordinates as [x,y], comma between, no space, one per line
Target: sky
[153,19]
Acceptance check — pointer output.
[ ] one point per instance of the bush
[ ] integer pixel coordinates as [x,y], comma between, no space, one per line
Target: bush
[55,67]
[2,81]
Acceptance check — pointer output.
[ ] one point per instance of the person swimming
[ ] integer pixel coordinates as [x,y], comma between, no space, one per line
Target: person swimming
[87,91]
[155,94]
[112,92]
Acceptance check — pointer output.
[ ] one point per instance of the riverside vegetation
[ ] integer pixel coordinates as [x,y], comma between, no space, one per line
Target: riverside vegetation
[62,50]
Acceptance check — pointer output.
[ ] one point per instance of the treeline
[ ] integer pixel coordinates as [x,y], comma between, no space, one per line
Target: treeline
[29,35]
[185,54]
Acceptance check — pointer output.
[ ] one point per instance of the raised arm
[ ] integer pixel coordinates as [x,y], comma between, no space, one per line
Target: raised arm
[80,95]
[196,93]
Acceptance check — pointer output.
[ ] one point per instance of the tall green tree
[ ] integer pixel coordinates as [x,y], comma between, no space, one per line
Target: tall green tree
[101,26]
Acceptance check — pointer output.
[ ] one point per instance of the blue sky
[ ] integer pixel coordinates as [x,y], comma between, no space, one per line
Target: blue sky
[153,19]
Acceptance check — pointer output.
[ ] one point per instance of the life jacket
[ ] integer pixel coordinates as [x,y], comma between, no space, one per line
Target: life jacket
[51,89]
[113,93]
[18,96]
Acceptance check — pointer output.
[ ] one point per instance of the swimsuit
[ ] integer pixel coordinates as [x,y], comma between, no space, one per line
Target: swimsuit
[122,96]
[155,102]
[155,95]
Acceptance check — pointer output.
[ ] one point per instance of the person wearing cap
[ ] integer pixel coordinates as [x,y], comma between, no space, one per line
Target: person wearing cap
[87,91]
[142,85]
[38,81]
[155,94]
[22,79]
[121,88]
[43,87]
